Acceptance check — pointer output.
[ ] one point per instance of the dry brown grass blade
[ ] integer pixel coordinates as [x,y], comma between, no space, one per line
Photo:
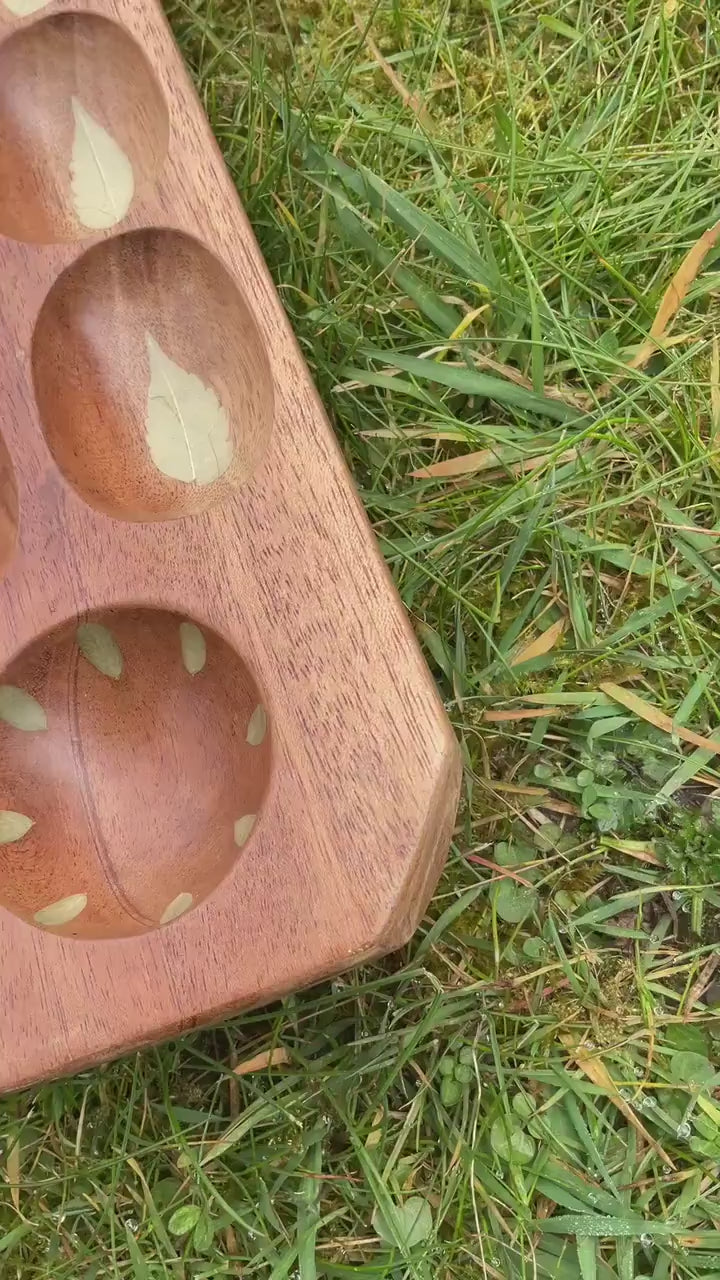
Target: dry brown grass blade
[411,100]
[462,466]
[646,711]
[562,806]
[542,644]
[675,295]
[703,982]
[596,1071]
[638,849]
[278,1057]
[502,873]
[470,463]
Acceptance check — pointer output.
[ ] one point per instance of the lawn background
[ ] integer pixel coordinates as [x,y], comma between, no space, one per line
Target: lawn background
[472,211]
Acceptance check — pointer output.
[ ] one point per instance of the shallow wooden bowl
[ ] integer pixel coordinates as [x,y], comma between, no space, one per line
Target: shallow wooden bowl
[136,773]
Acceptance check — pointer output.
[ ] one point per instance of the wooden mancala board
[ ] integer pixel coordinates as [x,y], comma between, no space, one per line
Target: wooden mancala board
[224,769]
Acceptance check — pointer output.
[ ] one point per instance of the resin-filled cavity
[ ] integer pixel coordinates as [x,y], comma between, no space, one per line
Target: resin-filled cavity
[83,128]
[131,773]
[152,381]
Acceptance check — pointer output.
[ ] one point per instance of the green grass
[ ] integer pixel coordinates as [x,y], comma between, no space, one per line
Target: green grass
[433,1120]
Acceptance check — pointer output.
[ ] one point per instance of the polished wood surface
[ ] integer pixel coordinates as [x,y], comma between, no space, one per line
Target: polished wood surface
[224,769]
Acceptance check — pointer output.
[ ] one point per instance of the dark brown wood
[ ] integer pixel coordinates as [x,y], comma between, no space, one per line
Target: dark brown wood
[224,769]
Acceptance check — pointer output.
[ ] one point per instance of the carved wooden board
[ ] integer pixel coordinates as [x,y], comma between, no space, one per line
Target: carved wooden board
[224,769]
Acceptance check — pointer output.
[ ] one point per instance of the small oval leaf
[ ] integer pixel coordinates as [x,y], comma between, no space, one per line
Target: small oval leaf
[101,649]
[102,180]
[21,710]
[257,727]
[243,829]
[13,826]
[61,912]
[184,1219]
[193,648]
[177,907]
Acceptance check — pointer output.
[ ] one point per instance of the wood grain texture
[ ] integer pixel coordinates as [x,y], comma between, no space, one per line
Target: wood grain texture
[143,776]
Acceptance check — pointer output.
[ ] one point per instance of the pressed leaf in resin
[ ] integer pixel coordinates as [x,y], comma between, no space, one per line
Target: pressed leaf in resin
[101,176]
[21,710]
[101,649]
[187,429]
[193,648]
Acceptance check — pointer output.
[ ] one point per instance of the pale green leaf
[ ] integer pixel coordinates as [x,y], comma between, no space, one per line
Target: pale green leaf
[13,826]
[22,8]
[243,829]
[21,710]
[101,174]
[412,1223]
[61,912]
[177,907]
[188,431]
[257,728]
[193,647]
[99,646]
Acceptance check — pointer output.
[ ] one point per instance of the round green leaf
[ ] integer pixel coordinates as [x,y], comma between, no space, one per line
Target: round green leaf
[513,853]
[184,1219]
[692,1069]
[534,948]
[511,1144]
[513,901]
[412,1223]
[547,836]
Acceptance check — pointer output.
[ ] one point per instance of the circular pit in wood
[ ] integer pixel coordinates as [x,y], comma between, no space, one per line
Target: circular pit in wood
[152,381]
[135,757]
[83,128]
